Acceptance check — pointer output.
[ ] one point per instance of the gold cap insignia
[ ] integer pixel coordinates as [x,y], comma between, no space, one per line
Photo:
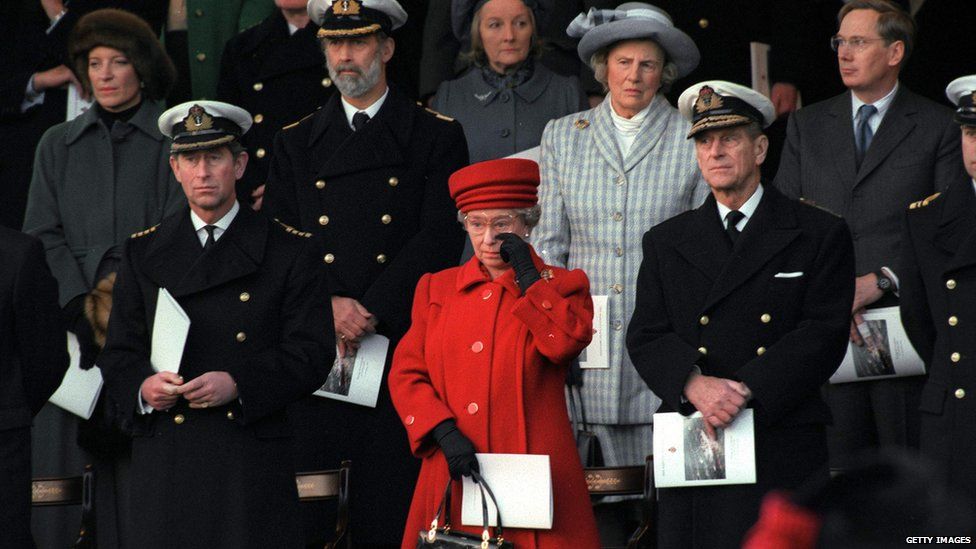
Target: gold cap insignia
[345,7]
[198,119]
[707,100]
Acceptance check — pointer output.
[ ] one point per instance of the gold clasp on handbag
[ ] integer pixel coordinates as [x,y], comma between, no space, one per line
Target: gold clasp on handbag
[432,533]
[484,538]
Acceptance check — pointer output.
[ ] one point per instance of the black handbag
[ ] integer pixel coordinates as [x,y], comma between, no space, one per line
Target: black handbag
[587,443]
[444,537]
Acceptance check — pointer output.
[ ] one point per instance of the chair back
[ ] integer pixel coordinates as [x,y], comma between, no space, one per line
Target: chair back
[78,490]
[328,485]
[629,481]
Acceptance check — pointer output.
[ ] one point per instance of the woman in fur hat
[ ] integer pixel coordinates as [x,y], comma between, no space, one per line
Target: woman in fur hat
[98,179]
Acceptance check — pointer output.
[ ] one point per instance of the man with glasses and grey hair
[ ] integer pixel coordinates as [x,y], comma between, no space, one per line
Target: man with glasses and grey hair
[865,155]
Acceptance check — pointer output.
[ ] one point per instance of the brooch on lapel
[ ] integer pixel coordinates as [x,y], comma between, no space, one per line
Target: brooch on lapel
[546,274]
[582,124]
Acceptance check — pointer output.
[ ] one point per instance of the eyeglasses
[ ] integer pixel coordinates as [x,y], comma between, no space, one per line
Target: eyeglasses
[478,224]
[856,43]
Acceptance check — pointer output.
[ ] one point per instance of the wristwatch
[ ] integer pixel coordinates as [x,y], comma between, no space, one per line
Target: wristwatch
[884,283]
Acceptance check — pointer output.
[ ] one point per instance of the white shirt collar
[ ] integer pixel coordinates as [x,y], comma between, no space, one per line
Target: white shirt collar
[628,125]
[221,224]
[881,104]
[370,110]
[747,209]
[292,29]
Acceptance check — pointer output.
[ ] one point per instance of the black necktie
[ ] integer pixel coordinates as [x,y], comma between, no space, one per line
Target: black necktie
[359,120]
[732,219]
[210,237]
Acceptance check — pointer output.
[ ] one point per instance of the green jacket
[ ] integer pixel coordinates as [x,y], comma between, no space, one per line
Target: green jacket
[210,24]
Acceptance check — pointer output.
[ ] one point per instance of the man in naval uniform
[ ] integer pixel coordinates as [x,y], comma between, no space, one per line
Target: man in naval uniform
[743,302]
[938,292]
[211,454]
[367,175]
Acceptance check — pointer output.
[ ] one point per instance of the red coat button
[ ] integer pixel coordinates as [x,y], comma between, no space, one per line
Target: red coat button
[477,346]
[546,304]
[409,420]
[473,408]
[486,294]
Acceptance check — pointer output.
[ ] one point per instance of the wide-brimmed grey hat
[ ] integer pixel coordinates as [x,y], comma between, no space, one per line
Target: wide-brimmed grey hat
[634,20]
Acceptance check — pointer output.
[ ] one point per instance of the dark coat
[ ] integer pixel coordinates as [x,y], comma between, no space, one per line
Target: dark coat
[938,280]
[278,78]
[378,203]
[699,300]
[223,476]
[33,358]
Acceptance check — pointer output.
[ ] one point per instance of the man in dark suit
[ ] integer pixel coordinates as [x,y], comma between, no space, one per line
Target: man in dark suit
[211,455]
[367,175]
[938,294]
[33,358]
[865,155]
[275,71]
[743,302]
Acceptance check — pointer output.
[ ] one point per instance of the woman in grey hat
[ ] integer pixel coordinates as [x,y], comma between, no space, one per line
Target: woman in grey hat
[608,175]
[98,179]
[506,99]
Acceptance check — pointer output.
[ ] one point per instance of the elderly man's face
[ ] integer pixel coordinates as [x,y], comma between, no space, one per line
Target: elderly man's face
[969,149]
[356,64]
[208,178]
[634,69]
[729,158]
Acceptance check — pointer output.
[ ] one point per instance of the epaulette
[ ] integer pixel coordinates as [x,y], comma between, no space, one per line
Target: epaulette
[813,204]
[581,124]
[439,116]
[923,203]
[299,121]
[144,232]
[292,230]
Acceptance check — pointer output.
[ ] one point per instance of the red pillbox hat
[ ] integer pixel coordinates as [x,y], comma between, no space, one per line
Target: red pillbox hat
[495,184]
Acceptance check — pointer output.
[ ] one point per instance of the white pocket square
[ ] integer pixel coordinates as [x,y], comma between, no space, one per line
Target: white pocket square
[796,274]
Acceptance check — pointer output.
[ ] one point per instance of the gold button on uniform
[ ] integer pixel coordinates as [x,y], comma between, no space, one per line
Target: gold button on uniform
[393,181]
[703,320]
[241,336]
[955,357]
[258,86]
[703,350]
[960,393]
[260,153]
[386,219]
[326,82]
[198,12]
[320,184]
[324,220]
[329,258]
[765,318]
[951,284]
[201,57]
[703,23]
[953,320]
[245,297]
[477,347]
[230,415]
[179,419]
[760,351]
[381,258]
[258,118]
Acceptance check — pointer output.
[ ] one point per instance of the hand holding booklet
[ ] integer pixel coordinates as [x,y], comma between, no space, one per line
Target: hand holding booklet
[685,456]
[522,485]
[79,389]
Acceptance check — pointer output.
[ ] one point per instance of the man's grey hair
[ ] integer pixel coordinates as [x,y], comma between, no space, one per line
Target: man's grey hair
[598,62]
[894,23]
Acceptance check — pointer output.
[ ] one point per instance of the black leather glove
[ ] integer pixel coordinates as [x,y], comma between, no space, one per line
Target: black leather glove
[515,252]
[458,450]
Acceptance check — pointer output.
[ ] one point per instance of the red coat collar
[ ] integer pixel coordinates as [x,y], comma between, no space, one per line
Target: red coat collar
[473,273]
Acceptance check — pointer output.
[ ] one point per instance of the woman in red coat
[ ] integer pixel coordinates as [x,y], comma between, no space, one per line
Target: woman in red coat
[482,367]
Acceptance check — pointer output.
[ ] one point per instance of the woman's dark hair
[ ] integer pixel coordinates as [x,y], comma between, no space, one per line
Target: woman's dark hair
[128,33]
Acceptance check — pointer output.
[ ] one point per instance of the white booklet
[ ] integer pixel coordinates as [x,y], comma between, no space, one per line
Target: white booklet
[76,105]
[79,389]
[685,456]
[886,352]
[356,377]
[170,328]
[527,154]
[522,485]
[597,353]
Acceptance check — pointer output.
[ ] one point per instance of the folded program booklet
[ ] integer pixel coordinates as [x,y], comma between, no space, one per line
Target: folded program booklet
[685,455]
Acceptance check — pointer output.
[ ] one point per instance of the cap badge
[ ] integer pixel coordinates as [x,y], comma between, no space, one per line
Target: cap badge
[345,7]
[707,100]
[198,119]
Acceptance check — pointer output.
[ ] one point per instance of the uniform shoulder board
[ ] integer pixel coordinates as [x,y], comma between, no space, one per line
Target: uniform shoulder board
[144,232]
[438,115]
[581,124]
[292,230]
[923,203]
[813,204]
[300,120]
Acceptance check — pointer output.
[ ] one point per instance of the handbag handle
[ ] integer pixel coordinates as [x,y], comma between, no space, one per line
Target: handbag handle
[445,507]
